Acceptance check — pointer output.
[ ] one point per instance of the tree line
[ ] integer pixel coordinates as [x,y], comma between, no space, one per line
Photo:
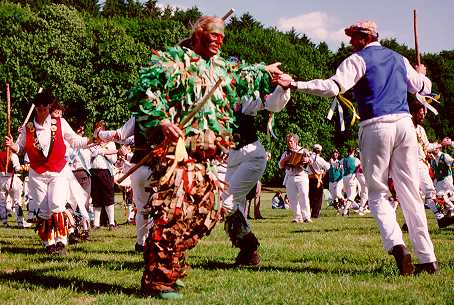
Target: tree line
[90,57]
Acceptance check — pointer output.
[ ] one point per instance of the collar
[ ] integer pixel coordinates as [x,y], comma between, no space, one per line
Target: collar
[46,122]
[375,43]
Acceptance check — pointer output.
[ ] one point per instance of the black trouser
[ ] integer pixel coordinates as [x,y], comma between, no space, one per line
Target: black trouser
[315,197]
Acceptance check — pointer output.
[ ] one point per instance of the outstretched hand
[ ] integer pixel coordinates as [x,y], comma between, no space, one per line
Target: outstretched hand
[171,131]
[284,80]
[274,69]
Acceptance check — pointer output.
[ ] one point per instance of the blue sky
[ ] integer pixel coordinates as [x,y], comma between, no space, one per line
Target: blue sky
[324,20]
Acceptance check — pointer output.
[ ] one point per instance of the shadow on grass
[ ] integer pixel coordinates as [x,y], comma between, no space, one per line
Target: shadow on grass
[116,265]
[21,250]
[40,279]
[217,265]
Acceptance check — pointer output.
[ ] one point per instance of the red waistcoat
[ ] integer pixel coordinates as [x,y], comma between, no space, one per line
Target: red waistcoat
[3,163]
[55,160]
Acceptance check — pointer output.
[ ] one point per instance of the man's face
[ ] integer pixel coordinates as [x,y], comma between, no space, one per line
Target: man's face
[42,111]
[335,155]
[211,40]
[292,143]
[420,115]
[57,113]
[358,41]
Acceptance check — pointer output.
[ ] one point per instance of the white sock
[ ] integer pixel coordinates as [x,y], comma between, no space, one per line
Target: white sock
[97,216]
[111,214]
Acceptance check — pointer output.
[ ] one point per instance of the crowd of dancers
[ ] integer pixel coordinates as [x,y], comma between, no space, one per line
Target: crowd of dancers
[181,182]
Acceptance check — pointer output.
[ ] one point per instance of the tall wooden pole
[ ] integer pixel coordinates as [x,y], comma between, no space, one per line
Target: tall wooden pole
[8,122]
[415,29]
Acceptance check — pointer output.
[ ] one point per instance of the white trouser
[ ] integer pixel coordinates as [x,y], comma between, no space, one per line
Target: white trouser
[298,195]
[48,192]
[140,180]
[426,185]
[335,190]
[244,169]
[351,186]
[77,196]
[364,192]
[389,148]
[13,191]
[445,186]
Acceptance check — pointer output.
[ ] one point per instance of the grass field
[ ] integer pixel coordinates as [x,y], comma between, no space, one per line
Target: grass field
[334,260]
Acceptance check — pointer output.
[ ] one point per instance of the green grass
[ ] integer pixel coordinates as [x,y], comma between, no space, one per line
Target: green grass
[334,260]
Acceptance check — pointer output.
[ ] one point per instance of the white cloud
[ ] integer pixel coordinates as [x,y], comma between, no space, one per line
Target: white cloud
[318,26]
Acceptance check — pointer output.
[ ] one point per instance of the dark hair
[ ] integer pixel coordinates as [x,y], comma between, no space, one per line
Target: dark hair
[414,106]
[45,98]
[100,124]
[56,106]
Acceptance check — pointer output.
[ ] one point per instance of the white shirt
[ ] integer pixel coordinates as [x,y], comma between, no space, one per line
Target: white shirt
[16,164]
[80,158]
[318,164]
[43,134]
[295,171]
[101,161]
[351,70]
[423,143]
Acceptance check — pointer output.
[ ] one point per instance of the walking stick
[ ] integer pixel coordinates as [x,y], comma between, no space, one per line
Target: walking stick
[186,120]
[415,29]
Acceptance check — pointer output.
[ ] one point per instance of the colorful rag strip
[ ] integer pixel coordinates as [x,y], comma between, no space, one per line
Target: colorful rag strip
[427,99]
[339,101]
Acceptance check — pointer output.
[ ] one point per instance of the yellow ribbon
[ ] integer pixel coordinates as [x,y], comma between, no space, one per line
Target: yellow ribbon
[349,106]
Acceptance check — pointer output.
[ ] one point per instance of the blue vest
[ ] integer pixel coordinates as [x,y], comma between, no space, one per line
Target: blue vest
[383,88]
[349,165]
[335,172]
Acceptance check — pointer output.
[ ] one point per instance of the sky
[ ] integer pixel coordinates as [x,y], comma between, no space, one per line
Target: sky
[325,20]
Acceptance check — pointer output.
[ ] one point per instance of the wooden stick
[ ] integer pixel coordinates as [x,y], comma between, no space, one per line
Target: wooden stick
[227,15]
[8,123]
[194,111]
[415,29]
[200,104]
[29,114]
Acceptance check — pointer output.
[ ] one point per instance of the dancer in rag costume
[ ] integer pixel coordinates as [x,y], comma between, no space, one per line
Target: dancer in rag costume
[182,182]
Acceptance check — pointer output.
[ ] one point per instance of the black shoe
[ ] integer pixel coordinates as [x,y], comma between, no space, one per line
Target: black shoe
[404,228]
[60,248]
[139,248]
[113,227]
[50,249]
[247,258]
[73,239]
[430,268]
[445,221]
[84,235]
[403,260]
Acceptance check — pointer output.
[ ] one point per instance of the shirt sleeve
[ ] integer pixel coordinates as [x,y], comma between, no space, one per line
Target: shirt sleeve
[274,102]
[449,160]
[21,141]
[277,100]
[121,134]
[15,162]
[349,72]
[416,82]
[71,137]
[284,155]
